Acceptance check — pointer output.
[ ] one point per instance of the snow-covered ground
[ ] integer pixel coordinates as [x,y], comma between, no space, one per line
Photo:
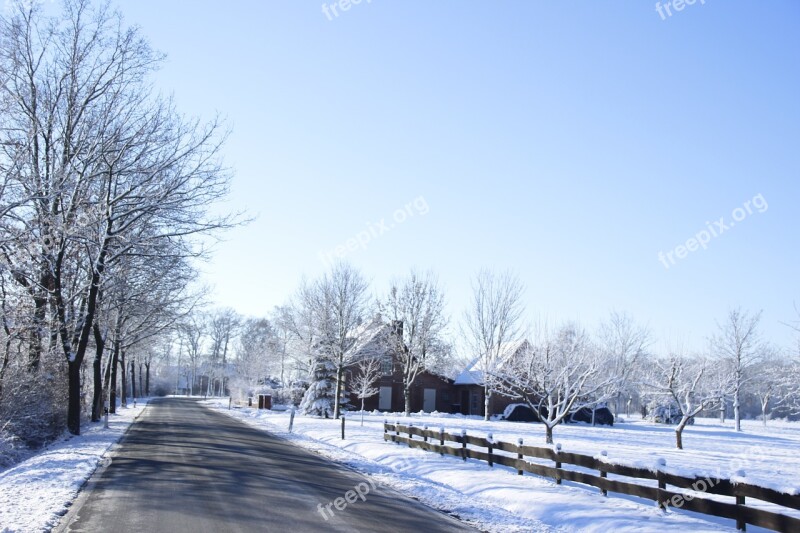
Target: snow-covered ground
[498,500]
[36,493]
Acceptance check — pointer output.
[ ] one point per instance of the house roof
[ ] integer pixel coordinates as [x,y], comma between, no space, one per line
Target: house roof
[473,374]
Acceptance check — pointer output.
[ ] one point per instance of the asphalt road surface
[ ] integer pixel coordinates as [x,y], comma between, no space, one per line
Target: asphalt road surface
[185,468]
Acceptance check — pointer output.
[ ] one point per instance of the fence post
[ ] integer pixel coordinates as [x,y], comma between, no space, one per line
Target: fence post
[558,464]
[291,419]
[410,435]
[385,428]
[397,431]
[464,444]
[343,417]
[741,522]
[662,484]
[441,439]
[519,455]
[491,442]
[603,473]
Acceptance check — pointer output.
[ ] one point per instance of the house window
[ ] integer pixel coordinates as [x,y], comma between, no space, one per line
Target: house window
[386,366]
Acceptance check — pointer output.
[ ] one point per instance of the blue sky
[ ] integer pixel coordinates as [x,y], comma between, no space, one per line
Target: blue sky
[569,141]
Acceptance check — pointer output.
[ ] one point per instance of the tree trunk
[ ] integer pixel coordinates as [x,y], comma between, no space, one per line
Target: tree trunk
[337,399]
[39,316]
[679,432]
[736,413]
[486,401]
[123,388]
[112,406]
[74,397]
[362,410]
[133,378]
[97,367]
[548,437]
[407,398]
[147,378]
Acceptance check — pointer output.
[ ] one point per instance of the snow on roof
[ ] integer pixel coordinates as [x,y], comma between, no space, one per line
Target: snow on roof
[370,339]
[473,374]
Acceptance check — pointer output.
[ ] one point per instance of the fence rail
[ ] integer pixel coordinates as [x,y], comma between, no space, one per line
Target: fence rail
[437,441]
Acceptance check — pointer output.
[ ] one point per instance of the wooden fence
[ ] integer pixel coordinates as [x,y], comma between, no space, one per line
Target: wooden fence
[514,456]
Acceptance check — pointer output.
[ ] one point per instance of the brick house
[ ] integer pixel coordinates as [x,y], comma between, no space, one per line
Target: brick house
[429,392]
[469,385]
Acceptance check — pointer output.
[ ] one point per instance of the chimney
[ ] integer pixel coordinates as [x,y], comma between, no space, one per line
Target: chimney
[397,328]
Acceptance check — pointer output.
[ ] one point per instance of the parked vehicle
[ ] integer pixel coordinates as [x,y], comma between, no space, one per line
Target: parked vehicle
[668,413]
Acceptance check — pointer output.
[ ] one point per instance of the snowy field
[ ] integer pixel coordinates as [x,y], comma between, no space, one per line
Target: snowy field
[498,500]
[36,493]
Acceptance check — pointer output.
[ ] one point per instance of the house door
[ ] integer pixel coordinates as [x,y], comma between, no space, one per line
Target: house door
[385,399]
[429,401]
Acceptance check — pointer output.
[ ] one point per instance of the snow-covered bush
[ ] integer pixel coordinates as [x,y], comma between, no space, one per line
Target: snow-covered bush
[318,400]
[32,407]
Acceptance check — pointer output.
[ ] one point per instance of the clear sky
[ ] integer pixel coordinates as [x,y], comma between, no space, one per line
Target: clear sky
[569,141]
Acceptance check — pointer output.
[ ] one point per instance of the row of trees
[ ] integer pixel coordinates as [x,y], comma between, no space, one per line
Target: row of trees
[562,370]
[314,338]
[105,192]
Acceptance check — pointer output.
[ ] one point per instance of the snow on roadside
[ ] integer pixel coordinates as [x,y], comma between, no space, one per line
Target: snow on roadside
[489,499]
[37,492]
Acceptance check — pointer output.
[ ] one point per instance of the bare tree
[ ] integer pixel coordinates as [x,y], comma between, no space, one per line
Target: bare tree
[623,344]
[192,332]
[337,305]
[253,355]
[555,375]
[681,380]
[295,323]
[491,322]
[369,371]
[739,346]
[102,169]
[222,326]
[416,307]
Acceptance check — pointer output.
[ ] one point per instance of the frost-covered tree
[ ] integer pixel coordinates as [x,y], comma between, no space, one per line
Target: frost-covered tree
[557,374]
[683,381]
[769,384]
[492,321]
[739,346]
[368,373]
[99,168]
[622,344]
[320,397]
[416,306]
[254,362]
[222,326]
[336,305]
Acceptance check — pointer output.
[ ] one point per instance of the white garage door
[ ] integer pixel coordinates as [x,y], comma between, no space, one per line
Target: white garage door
[385,399]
